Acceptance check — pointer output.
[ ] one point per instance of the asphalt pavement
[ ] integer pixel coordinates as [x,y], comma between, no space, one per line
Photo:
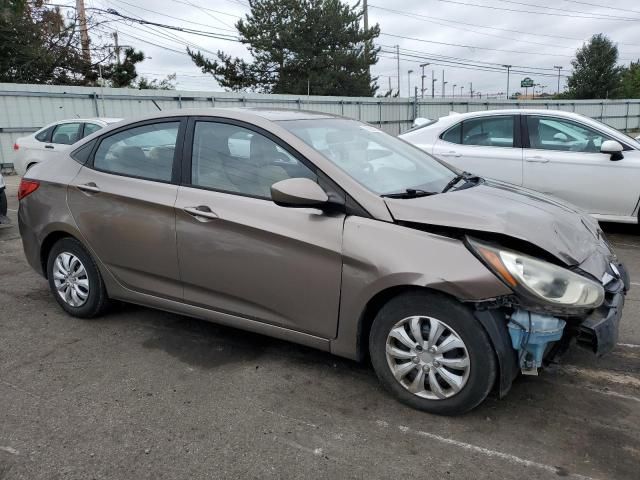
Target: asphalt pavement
[143,394]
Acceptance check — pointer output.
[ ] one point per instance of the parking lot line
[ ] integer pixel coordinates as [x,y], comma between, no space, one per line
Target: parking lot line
[487,452]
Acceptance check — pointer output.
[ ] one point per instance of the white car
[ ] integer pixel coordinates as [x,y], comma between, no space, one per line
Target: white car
[564,154]
[55,137]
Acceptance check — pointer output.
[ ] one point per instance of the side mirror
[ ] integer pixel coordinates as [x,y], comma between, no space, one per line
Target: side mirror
[561,137]
[613,148]
[298,193]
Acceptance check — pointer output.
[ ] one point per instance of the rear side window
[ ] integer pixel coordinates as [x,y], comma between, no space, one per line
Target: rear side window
[81,155]
[454,134]
[66,133]
[43,136]
[143,152]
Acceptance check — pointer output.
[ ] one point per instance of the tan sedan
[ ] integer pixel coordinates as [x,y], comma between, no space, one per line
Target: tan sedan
[327,232]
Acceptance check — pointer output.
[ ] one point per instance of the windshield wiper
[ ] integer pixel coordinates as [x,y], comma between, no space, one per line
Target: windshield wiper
[409,193]
[461,176]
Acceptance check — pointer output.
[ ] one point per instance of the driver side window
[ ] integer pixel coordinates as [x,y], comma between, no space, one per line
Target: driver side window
[552,133]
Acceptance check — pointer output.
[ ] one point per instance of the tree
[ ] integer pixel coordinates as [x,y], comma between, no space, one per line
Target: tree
[299,46]
[630,83]
[167,83]
[122,74]
[596,73]
[38,45]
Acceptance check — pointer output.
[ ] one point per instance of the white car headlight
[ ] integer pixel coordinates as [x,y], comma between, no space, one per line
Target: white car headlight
[541,280]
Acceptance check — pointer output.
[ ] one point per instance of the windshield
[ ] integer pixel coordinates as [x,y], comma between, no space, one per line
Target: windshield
[380,162]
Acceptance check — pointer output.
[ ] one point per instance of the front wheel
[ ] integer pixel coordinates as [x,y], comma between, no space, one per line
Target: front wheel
[432,354]
[75,281]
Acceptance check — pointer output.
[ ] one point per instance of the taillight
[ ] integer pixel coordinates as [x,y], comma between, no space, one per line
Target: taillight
[16,146]
[26,188]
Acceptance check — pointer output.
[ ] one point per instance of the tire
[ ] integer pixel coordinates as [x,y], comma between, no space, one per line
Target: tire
[3,203]
[452,322]
[88,284]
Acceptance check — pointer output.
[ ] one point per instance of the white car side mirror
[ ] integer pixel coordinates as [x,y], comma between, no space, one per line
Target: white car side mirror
[613,148]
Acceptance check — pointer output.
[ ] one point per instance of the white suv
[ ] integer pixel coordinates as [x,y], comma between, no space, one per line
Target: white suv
[55,137]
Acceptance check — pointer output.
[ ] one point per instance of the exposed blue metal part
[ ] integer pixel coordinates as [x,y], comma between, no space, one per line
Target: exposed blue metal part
[530,334]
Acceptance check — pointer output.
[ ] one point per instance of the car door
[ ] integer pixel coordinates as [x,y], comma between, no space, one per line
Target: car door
[562,158]
[240,253]
[56,139]
[488,146]
[123,203]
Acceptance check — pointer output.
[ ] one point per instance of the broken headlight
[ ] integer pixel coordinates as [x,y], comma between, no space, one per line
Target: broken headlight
[540,280]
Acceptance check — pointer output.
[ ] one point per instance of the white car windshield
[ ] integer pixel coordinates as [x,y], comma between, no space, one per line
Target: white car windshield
[382,163]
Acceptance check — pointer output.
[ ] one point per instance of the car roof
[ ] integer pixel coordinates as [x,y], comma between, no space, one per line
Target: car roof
[249,113]
[512,111]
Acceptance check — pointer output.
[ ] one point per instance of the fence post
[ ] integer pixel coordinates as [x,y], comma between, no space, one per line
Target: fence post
[626,119]
[601,110]
[94,95]
[359,110]
[179,101]
[299,101]
[380,113]
[342,107]
[213,102]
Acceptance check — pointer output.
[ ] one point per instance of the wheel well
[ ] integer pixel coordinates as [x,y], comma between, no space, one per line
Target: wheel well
[371,310]
[48,244]
[29,165]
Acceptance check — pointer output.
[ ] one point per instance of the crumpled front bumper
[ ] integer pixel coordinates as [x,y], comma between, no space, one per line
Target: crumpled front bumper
[599,331]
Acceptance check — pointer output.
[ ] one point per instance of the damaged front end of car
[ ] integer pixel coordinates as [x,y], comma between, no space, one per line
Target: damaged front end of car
[552,307]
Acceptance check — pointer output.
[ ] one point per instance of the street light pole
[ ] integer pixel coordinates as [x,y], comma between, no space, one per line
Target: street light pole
[454,90]
[433,84]
[409,72]
[461,89]
[443,83]
[559,69]
[508,67]
[422,90]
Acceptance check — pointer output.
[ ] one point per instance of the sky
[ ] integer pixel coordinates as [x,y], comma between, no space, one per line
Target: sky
[466,40]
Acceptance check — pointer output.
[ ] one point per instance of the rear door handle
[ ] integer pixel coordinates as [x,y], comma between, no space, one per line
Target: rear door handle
[451,153]
[49,146]
[200,212]
[537,159]
[89,187]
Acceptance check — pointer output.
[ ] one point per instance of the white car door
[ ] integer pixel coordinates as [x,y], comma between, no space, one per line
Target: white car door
[562,158]
[488,146]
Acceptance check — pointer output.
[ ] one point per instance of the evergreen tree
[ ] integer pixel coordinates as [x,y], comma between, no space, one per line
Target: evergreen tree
[630,87]
[596,73]
[299,46]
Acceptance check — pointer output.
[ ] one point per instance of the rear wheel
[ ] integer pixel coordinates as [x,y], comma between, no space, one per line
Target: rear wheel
[432,354]
[75,281]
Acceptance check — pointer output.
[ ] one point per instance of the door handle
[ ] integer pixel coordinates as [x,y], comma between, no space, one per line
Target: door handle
[451,153]
[537,159]
[49,146]
[89,187]
[200,212]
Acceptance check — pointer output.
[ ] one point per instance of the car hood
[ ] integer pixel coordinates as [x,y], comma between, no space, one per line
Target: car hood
[494,207]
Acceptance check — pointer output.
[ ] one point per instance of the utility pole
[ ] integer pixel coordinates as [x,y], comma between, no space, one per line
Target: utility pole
[508,67]
[422,66]
[443,83]
[389,85]
[84,33]
[398,60]
[116,47]
[461,89]
[365,16]
[559,69]
[433,84]
[409,72]
[471,89]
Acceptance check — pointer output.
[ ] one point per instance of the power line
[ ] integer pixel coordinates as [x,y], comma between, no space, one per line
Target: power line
[613,17]
[429,19]
[608,7]
[475,47]
[493,7]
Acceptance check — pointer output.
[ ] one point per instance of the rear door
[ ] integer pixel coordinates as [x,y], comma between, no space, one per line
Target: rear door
[123,203]
[563,159]
[489,146]
[239,252]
